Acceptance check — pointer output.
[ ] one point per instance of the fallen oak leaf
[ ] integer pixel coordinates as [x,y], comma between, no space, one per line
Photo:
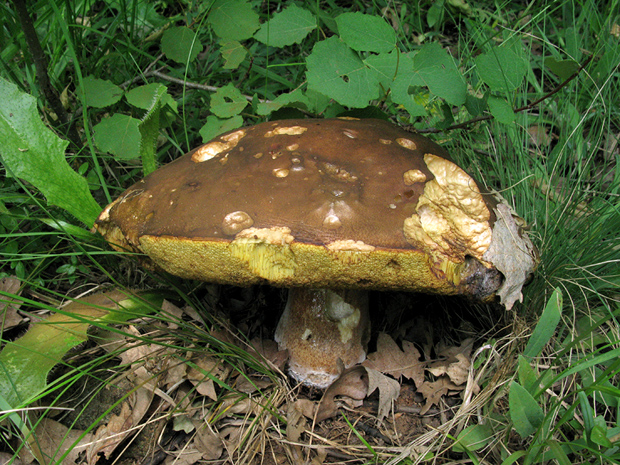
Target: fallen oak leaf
[456,363]
[391,360]
[389,390]
[433,391]
[351,384]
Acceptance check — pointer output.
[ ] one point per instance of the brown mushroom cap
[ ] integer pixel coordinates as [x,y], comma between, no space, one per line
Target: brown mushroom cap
[322,203]
[327,205]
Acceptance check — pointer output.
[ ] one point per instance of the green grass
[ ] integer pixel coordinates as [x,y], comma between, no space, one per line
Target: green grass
[556,162]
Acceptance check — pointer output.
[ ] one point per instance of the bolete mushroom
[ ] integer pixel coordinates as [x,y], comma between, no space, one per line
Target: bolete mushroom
[330,209]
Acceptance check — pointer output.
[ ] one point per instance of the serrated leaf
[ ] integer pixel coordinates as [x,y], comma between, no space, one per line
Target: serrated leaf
[100,93]
[290,26]
[180,44]
[525,413]
[389,390]
[473,438]
[295,98]
[502,68]
[233,53]
[562,68]
[384,65]
[366,33]
[337,72]
[434,69]
[34,153]
[119,135]
[228,101]
[216,126]
[501,110]
[546,326]
[233,19]
[143,96]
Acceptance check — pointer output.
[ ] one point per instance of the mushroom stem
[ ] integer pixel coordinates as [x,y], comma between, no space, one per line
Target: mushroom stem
[325,331]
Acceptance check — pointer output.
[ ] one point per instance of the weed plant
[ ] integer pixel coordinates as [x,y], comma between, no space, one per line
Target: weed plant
[525,95]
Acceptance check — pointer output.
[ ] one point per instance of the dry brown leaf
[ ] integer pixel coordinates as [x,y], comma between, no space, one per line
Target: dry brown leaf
[171,309]
[207,442]
[456,363]
[51,440]
[109,436]
[391,360]
[539,136]
[268,350]
[204,369]
[9,318]
[251,384]
[352,385]
[185,457]
[389,390]
[433,391]
[9,459]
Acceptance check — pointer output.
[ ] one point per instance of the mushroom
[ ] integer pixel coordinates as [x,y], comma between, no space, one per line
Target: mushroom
[330,209]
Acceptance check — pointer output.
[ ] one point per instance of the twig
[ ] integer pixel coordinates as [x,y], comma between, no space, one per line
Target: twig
[529,106]
[193,85]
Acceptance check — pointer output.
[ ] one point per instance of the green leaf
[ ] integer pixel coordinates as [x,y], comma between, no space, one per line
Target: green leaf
[233,19]
[119,135]
[290,26]
[503,68]
[526,415]
[149,129]
[232,52]
[433,68]
[366,33]
[295,98]
[143,96]
[501,110]
[528,378]
[562,68]
[473,438]
[30,151]
[180,44]
[384,65]
[337,72]
[598,435]
[216,126]
[46,342]
[228,101]
[100,93]
[546,325]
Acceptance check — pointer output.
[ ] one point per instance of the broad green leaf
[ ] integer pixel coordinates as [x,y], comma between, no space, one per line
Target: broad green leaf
[180,44]
[562,68]
[501,110]
[228,101]
[434,69]
[46,342]
[143,96]
[598,435]
[288,27]
[528,378]
[366,33]
[233,19]
[525,413]
[556,452]
[503,68]
[384,65]
[473,438]
[546,325]
[295,98]
[119,135]
[232,52]
[32,152]
[216,126]
[337,72]
[475,106]
[100,93]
